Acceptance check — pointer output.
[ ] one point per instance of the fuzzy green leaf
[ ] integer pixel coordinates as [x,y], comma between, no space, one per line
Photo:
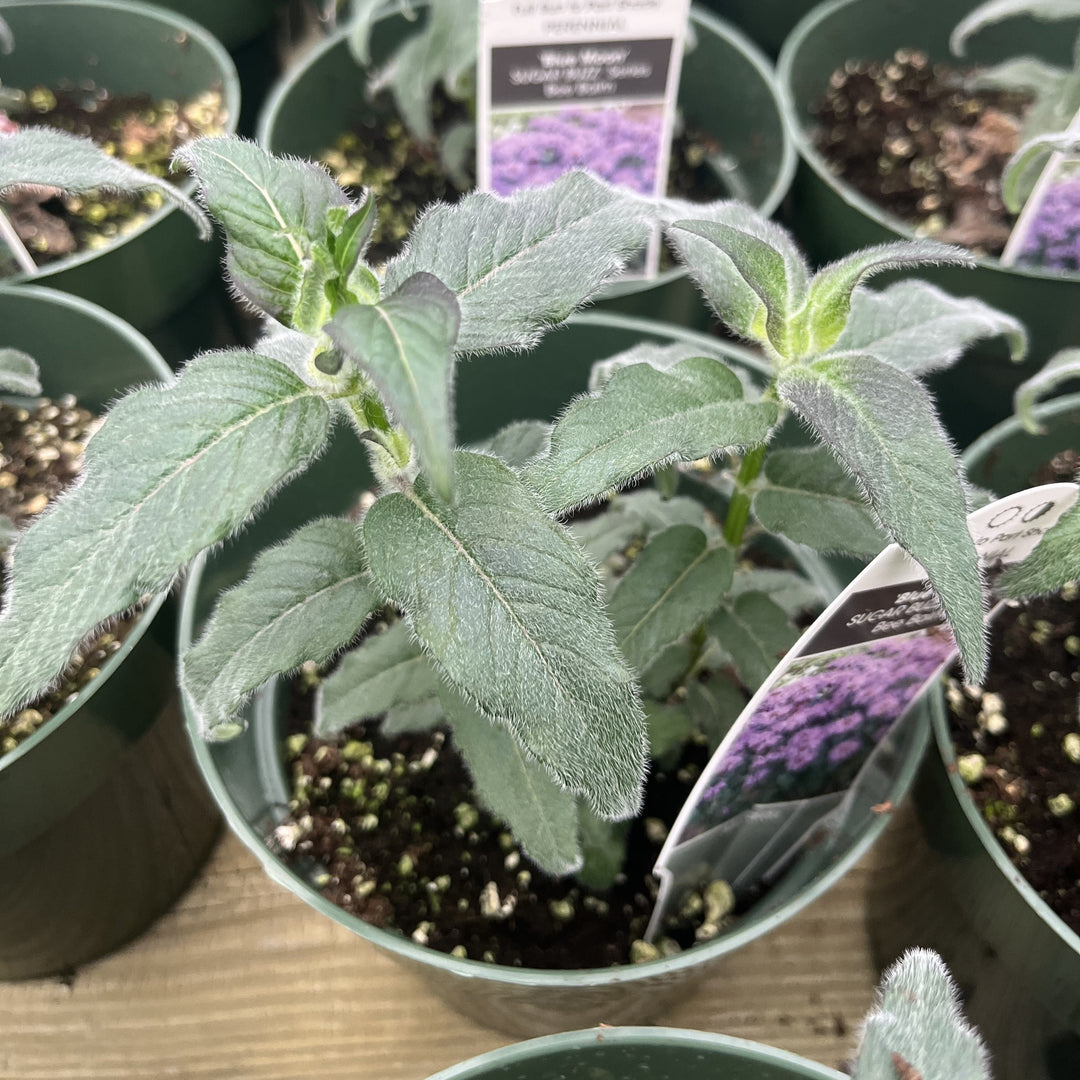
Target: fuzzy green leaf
[7,38]
[810,499]
[362,17]
[537,650]
[273,211]
[603,849]
[56,159]
[1059,369]
[667,670]
[636,515]
[881,424]
[230,430]
[671,587]
[643,418]
[661,357]
[917,328]
[385,671]
[917,1028]
[714,706]
[1052,565]
[19,373]
[405,343]
[831,292]
[1023,167]
[303,600]
[670,726]
[542,815]
[518,443]
[756,633]
[750,269]
[994,11]
[793,592]
[520,265]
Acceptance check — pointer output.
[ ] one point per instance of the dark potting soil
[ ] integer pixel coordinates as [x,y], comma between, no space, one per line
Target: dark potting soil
[389,829]
[135,128]
[406,175]
[1018,737]
[910,136]
[41,453]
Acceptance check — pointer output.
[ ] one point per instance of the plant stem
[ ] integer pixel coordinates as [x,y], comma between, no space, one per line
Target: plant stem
[739,510]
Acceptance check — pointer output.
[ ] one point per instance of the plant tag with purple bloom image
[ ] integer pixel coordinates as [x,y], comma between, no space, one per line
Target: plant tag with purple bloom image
[792,786]
[1047,232]
[579,84]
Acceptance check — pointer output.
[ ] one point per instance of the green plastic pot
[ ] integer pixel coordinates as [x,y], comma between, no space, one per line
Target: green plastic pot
[943,881]
[232,22]
[249,780]
[128,48]
[831,218]
[628,1053]
[727,88]
[768,24]
[105,818]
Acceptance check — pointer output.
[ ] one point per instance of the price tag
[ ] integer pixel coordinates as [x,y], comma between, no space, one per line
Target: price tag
[819,745]
[567,84]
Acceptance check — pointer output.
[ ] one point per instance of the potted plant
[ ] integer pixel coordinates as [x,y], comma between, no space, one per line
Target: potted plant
[831,216]
[916,1024]
[126,50]
[726,94]
[379,352]
[106,820]
[973,879]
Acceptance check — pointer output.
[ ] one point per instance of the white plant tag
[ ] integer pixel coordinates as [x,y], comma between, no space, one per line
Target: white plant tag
[566,84]
[816,748]
[1047,232]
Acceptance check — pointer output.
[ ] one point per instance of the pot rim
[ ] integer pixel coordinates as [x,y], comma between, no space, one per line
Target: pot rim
[230,97]
[475,969]
[164,373]
[798,133]
[476,1068]
[701,17]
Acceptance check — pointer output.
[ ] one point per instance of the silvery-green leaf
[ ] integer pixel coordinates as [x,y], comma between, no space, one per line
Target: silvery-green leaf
[1020,73]
[881,424]
[542,815]
[1059,369]
[671,587]
[412,716]
[793,592]
[637,514]
[643,418]
[520,265]
[756,633]
[809,498]
[384,671]
[19,373]
[405,343]
[994,11]
[273,211]
[1053,564]
[289,347]
[227,433]
[917,1029]
[362,16]
[603,849]
[457,153]
[918,328]
[1024,166]
[352,239]
[7,38]
[667,670]
[8,533]
[831,292]
[56,159]
[518,443]
[303,600]
[749,268]
[537,650]
[670,726]
[714,706]
[661,357]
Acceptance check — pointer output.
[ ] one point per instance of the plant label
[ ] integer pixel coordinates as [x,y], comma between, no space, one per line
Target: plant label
[1047,232]
[818,748]
[579,84]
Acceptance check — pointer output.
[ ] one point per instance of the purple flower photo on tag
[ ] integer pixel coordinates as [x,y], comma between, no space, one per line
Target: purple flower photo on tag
[620,145]
[1053,237]
[814,730]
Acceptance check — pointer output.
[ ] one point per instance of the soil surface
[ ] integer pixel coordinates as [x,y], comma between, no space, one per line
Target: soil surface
[912,137]
[1018,737]
[407,175]
[135,128]
[41,453]
[389,829]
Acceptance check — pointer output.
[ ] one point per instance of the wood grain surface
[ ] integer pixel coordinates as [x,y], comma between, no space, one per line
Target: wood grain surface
[243,980]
